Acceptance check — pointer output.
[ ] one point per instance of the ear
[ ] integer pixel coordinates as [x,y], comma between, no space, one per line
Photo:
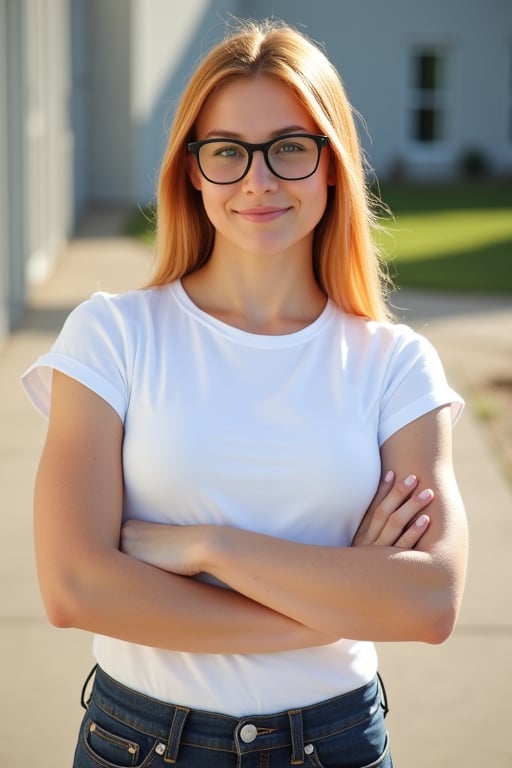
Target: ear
[194,172]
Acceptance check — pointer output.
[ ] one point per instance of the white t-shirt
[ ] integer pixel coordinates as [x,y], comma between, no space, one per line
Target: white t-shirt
[276,434]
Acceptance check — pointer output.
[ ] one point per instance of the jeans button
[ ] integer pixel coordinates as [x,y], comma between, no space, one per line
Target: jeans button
[248,733]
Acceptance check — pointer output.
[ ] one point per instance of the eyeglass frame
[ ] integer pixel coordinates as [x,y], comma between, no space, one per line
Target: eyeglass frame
[320,140]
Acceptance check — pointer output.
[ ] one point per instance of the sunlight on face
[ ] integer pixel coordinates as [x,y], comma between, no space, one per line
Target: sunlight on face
[261,213]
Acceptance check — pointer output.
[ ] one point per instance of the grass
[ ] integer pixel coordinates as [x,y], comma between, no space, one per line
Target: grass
[450,237]
[455,237]
[141,225]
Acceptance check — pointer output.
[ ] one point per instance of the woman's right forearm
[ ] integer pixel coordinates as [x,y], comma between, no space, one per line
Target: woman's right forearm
[116,595]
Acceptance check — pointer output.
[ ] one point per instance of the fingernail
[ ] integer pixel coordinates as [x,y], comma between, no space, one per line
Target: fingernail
[426,494]
[389,476]
[410,480]
[422,521]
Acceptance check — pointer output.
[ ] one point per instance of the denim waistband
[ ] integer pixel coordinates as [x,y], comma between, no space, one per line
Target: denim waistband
[175,724]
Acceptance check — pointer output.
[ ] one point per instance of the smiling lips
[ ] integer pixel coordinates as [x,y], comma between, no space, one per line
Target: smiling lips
[262,214]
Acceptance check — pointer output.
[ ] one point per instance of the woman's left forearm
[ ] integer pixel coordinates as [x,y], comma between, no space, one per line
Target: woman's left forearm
[366,593]
[402,578]
[371,590]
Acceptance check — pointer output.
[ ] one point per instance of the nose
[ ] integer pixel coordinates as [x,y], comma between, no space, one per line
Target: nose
[259,177]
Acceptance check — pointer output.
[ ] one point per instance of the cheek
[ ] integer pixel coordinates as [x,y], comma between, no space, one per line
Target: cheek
[214,201]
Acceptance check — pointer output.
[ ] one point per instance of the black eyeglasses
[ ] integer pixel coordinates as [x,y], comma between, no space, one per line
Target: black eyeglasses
[293,156]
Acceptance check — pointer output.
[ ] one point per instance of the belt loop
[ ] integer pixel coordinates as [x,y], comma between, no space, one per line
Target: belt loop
[173,742]
[297,735]
[383,695]
[83,701]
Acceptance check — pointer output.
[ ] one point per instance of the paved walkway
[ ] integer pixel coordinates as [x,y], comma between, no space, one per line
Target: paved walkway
[450,704]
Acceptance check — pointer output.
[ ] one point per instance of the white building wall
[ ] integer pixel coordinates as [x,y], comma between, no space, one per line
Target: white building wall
[46,134]
[80,36]
[102,121]
[35,146]
[370,43]
[166,40]
[134,57]
[485,67]
[131,60]
[4,235]
[88,87]
[14,239]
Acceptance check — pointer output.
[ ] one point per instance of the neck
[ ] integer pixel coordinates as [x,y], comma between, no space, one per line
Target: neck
[270,294]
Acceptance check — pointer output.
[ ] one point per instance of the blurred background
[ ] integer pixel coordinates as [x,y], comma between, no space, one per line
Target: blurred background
[87,93]
[87,89]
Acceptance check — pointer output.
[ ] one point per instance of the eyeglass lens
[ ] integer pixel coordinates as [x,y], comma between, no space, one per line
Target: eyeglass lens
[225,161]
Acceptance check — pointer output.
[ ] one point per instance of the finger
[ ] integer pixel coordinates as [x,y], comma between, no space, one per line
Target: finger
[394,499]
[400,491]
[384,486]
[400,520]
[367,524]
[413,534]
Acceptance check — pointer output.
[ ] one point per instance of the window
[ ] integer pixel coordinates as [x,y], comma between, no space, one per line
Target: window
[427,124]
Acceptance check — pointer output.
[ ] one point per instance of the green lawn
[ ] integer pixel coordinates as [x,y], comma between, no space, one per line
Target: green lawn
[141,225]
[450,237]
[456,237]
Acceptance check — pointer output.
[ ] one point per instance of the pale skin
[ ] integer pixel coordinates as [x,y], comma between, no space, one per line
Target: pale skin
[401,579]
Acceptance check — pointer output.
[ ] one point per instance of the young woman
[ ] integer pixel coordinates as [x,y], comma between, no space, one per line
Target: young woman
[238,458]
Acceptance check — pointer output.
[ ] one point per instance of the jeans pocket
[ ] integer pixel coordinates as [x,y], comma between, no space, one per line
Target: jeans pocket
[365,745]
[342,761]
[112,745]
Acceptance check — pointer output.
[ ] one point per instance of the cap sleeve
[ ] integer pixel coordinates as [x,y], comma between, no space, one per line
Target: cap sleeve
[415,383]
[93,348]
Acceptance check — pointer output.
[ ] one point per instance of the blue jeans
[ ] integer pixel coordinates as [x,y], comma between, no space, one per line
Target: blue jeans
[124,728]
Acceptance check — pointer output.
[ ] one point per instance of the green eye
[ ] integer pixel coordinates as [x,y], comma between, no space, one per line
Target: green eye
[229,152]
[290,148]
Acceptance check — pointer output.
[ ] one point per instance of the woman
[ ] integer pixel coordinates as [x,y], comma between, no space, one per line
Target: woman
[225,496]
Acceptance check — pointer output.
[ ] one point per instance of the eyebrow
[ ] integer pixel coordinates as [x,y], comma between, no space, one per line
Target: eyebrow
[280,132]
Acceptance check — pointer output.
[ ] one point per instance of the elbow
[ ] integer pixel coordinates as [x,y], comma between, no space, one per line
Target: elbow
[62,602]
[439,631]
[441,607]
[440,621]
[60,610]
[58,616]
[72,591]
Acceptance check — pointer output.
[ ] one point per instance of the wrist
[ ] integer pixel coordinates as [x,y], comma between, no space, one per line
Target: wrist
[213,549]
[205,548]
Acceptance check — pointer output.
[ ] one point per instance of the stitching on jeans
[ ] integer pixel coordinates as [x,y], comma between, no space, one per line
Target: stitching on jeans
[117,741]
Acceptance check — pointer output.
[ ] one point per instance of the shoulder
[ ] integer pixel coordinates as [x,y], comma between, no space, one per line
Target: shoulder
[393,357]
[384,339]
[121,312]
[98,346]
[122,304]
[381,330]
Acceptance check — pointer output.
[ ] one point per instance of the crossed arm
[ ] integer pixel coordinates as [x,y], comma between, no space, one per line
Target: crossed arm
[397,582]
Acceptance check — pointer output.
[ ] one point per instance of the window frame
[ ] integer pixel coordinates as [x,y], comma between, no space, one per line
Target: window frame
[439,99]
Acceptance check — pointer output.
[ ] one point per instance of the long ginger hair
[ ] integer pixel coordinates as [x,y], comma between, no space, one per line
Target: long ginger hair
[346,260]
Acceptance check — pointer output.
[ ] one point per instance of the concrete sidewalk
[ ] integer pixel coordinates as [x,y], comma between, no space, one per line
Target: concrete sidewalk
[450,705]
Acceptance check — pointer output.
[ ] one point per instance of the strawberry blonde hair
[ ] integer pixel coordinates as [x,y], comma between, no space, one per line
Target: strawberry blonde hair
[345,258]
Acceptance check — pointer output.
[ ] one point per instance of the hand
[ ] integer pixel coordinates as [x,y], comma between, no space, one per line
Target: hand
[393,518]
[173,548]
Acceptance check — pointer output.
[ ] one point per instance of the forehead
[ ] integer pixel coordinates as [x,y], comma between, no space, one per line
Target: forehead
[253,108]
